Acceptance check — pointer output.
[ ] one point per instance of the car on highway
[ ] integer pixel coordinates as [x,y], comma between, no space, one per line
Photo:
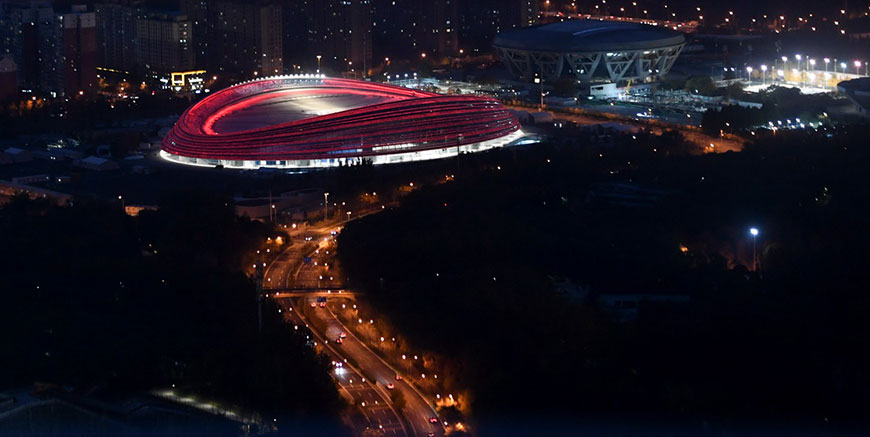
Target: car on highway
[390,386]
[338,340]
[313,305]
[398,377]
[342,335]
[322,304]
[433,419]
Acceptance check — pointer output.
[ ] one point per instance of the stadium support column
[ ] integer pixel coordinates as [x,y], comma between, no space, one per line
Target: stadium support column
[638,65]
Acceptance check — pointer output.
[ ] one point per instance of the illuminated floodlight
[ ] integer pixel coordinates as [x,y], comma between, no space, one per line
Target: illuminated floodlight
[753,232]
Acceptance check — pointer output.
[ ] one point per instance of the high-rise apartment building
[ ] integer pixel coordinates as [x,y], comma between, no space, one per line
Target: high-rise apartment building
[437,27]
[238,36]
[77,44]
[54,52]
[8,78]
[197,12]
[164,42]
[340,31]
[481,20]
[116,34]
[394,30]
[408,28]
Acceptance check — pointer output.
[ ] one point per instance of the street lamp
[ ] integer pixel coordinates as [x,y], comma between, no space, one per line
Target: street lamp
[857,67]
[748,73]
[763,74]
[754,232]
[318,63]
[827,61]
[325,205]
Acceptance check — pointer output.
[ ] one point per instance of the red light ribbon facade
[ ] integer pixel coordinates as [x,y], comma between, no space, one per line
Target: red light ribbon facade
[406,121]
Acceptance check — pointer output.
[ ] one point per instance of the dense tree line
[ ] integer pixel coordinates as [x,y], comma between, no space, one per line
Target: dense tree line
[464,268]
[94,299]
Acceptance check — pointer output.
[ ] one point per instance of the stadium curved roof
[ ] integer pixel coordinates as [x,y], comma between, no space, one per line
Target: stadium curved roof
[589,36]
[398,121]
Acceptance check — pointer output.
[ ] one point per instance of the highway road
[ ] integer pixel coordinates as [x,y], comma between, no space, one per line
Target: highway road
[372,400]
[281,273]
[702,140]
[417,411]
[289,270]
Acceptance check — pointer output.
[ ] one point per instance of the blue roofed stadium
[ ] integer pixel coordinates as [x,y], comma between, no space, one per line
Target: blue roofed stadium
[590,50]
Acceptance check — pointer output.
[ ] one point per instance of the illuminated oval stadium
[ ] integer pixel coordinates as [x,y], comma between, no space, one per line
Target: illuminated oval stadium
[307,121]
[590,51]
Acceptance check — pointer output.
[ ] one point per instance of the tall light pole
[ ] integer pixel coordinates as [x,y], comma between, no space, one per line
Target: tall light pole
[857,67]
[318,63]
[754,233]
[763,74]
[325,205]
[259,272]
[798,61]
[784,66]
